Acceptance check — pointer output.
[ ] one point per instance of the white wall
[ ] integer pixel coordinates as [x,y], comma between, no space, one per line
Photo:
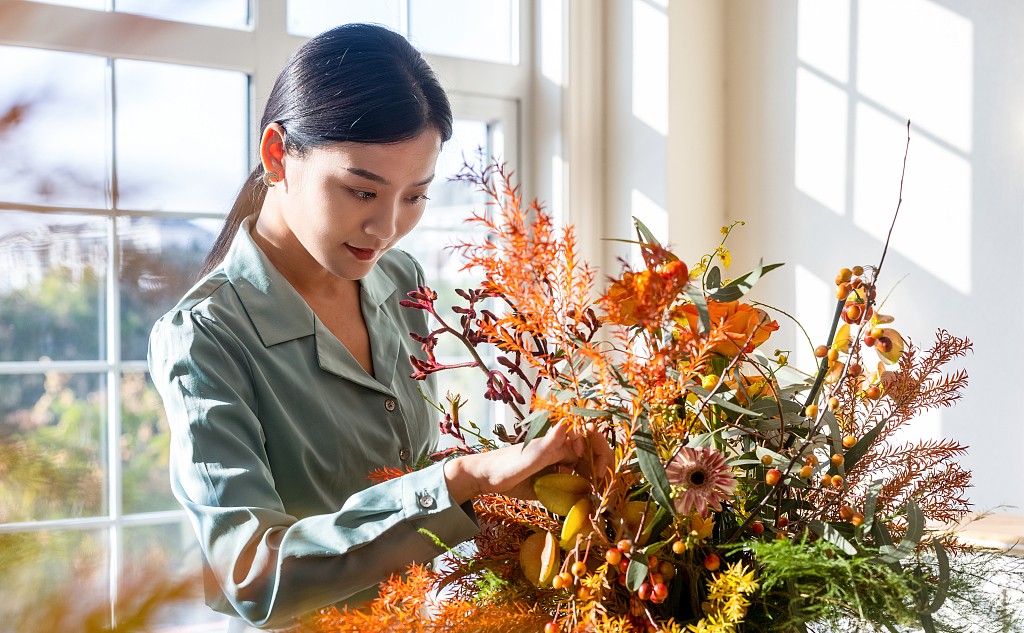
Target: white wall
[817,95]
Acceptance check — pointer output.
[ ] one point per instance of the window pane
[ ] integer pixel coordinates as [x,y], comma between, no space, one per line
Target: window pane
[145,444]
[52,290]
[181,136]
[232,14]
[97,5]
[52,117]
[439,26]
[172,553]
[160,261]
[310,17]
[452,202]
[52,427]
[54,581]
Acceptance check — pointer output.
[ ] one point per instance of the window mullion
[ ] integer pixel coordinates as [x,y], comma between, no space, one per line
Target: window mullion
[113,330]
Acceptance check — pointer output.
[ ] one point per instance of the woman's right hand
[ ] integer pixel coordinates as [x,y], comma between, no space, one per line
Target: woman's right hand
[511,470]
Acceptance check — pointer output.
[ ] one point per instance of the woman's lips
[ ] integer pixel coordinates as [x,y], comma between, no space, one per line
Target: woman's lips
[363,254]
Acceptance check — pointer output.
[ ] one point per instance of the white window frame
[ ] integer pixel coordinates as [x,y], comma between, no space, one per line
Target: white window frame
[259,51]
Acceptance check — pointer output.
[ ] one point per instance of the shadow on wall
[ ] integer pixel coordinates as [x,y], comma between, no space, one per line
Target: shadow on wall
[819,99]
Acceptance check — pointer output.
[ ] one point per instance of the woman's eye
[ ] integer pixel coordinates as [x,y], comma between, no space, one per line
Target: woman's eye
[418,199]
[363,195]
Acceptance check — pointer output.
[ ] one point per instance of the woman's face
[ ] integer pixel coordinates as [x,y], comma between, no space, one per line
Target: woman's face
[346,204]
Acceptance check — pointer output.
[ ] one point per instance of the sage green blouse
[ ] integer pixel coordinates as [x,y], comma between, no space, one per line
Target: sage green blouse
[276,428]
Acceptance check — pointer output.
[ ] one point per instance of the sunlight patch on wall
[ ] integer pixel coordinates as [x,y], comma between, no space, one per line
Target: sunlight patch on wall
[654,217]
[552,59]
[820,153]
[823,36]
[934,226]
[814,307]
[650,65]
[559,176]
[924,74]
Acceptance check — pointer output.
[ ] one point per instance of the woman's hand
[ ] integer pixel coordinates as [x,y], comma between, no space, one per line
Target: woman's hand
[511,470]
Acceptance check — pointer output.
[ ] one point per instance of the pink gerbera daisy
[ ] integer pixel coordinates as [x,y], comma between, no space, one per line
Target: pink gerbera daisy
[700,480]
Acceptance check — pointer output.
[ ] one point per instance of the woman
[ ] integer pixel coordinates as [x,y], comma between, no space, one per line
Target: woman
[285,370]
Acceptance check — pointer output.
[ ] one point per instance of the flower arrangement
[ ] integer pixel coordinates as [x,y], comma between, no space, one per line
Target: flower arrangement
[744,494]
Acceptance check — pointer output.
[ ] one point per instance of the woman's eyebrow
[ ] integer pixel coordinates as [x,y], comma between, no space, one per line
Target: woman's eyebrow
[369,175]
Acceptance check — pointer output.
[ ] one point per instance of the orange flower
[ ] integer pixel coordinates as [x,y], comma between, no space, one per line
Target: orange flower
[732,324]
[642,298]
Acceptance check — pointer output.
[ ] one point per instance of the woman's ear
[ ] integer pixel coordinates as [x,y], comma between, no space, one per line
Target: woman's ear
[272,150]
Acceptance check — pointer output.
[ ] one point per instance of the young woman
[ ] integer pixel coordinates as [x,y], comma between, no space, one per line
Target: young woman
[285,370]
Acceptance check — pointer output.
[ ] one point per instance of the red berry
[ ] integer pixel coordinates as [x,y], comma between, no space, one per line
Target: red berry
[552,627]
[712,562]
[644,592]
[757,528]
[660,591]
[613,557]
[773,476]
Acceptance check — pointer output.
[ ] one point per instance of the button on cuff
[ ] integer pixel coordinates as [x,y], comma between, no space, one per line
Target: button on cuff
[426,500]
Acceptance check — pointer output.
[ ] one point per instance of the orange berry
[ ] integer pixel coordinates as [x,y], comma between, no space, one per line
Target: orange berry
[767,460]
[773,476]
[837,480]
[877,332]
[579,568]
[712,562]
[811,459]
[857,518]
[845,274]
[845,513]
[854,312]
[624,545]
[854,369]
[821,351]
[873,392]
[838,459]
[849,441]
[557,582]
[856,283]
[613,556]
[843,291]
[679,547]
[552,627]
[884,345]
[826,480]
[811,411]
[667,570]
[858,270]
[806,472]
[833,355]
[833,403]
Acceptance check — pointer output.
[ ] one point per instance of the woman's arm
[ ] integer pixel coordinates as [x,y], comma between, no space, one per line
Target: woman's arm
[270,565]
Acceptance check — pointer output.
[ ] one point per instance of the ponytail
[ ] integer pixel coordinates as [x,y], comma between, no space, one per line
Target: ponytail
[247,203]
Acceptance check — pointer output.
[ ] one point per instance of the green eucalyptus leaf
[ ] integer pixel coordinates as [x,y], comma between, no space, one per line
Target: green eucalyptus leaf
[645,234]
[701,303]
[636,573]
[714,278]
[942,589]
[870,503]
[828,532]
[588,413]
[740,286]
[653,469]
[537,424]
[915,529]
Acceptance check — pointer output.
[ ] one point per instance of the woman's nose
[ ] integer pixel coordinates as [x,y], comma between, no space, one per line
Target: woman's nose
[383,222]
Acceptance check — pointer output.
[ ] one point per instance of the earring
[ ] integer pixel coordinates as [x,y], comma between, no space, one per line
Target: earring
[270,178]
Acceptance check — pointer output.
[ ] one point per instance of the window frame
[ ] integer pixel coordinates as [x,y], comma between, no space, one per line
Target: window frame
[259,51]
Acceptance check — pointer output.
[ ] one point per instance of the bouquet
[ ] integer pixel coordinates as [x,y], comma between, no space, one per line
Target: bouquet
[745,494]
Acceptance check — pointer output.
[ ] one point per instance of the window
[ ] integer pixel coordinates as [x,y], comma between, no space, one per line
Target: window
[130,151]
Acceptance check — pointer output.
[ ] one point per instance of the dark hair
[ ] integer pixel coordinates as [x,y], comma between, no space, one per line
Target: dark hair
[358,83]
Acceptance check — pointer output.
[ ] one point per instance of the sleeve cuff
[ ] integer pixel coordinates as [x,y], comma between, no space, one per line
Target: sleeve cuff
[429,507]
